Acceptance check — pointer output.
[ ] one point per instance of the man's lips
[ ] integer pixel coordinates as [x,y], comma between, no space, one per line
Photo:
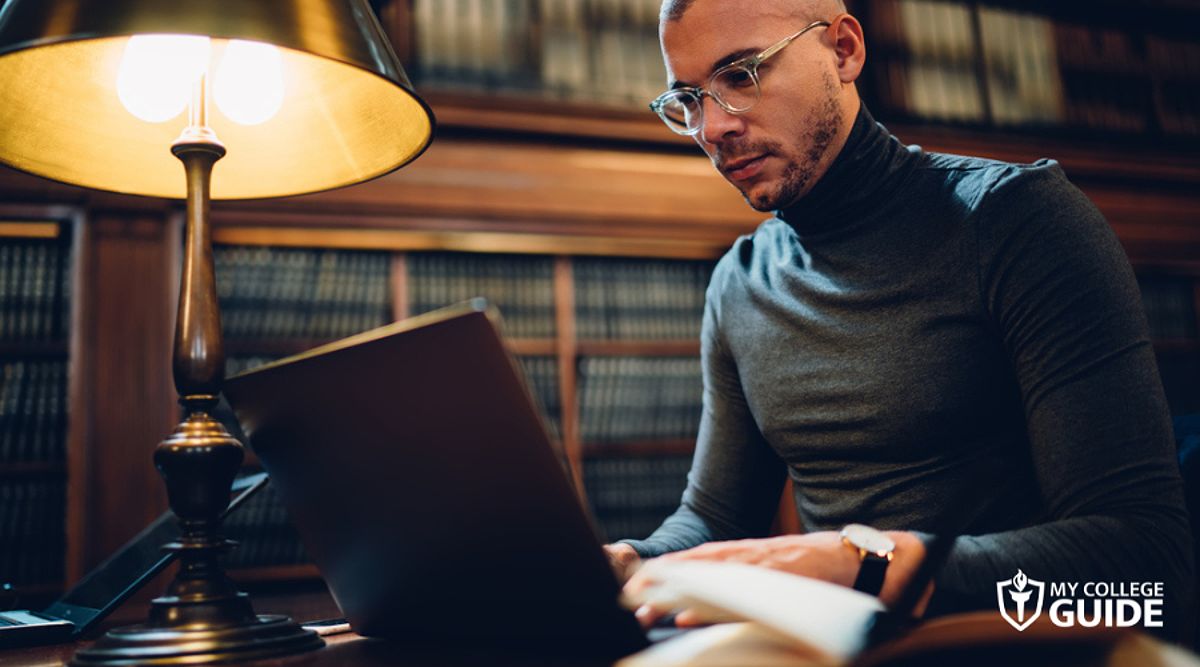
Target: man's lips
[742,169]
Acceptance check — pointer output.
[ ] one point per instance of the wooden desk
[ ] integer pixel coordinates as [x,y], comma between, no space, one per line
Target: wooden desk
[346,649]
[977,639]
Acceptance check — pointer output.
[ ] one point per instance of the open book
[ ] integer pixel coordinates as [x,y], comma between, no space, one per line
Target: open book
[791,619]
[767,618]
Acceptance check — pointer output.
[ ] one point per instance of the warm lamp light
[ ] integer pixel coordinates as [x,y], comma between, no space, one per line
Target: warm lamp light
[308,96]
[248,84]
[158,72]
[157,76]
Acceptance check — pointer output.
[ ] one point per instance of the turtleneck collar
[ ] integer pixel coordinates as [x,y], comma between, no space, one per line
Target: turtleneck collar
[871,165]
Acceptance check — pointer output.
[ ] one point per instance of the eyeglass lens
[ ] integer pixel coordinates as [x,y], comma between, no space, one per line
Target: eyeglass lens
[735,88]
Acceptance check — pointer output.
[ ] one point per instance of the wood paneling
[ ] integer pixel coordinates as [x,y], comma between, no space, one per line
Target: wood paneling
[130,283]
[476,185]
[564,313]
[406,240]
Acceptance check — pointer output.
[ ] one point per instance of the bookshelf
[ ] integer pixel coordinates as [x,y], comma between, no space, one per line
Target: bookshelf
[532,177]
[1098,69]
[613,339]
[37,267]
[988,79]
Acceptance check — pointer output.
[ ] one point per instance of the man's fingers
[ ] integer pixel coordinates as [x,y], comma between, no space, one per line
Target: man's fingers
[648,614]
[638,583]
[739,551]
[623,560]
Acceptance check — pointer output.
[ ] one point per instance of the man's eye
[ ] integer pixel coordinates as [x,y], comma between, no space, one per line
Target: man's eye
[738,78]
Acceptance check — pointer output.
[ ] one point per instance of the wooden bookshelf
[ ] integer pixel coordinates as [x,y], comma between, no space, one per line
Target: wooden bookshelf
[34,349]
[10,469]
[534,347]
[40,405]
[638,348]
[636,448]
[512,173]
[564,349]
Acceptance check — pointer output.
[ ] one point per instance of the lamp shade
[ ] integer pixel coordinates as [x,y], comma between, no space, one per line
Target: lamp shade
[332,106]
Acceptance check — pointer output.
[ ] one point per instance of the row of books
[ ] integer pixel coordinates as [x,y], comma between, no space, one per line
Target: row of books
[33,411]
[1018,68]
[264,533]
[301,293]
[1177,67]
[1170,303]
[631,496]
[287,293]
[35,290]
[542,374]
[639,299]
[32,530]
[639,398]
[1033,69]
[521,286]
[583,50]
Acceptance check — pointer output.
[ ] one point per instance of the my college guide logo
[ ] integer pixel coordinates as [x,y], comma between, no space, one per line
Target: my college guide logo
[1094,603]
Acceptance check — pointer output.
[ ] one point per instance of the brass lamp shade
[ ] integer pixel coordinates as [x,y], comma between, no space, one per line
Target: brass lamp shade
[349,113]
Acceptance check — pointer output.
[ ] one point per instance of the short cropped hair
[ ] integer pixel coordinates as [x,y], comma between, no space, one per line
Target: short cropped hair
[673,10]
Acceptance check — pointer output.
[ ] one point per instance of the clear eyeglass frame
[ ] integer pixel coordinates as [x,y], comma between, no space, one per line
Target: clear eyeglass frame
[735,87]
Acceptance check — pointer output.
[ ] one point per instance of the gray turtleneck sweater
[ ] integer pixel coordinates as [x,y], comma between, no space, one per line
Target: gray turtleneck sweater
[944,344]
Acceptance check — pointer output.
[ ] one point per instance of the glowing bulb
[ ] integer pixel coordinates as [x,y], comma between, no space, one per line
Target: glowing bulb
[248,85]
[157,72]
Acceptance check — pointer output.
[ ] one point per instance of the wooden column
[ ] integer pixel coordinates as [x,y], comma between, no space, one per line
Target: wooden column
[564,308]
[399,280]
[129,283]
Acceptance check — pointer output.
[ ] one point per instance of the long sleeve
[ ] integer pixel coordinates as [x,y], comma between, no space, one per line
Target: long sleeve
[735,480]
[1062,297]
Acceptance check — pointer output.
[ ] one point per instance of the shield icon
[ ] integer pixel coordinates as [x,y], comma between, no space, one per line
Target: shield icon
[1018,591]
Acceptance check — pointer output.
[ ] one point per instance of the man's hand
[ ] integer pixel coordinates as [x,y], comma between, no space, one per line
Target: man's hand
[623,559]
[820,555]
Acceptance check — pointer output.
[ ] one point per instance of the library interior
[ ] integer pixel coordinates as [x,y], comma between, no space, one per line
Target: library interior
[550,188]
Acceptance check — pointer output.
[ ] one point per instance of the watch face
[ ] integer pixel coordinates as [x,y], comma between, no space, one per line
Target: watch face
[866,537]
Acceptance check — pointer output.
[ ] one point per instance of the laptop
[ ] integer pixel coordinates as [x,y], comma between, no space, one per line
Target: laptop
[428,492]
[424,485]
[110,584]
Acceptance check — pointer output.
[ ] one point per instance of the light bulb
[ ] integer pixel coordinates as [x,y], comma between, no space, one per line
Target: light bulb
[248,84]
[157,73]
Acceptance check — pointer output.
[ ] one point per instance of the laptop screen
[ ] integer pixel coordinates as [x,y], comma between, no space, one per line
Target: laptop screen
[132,566]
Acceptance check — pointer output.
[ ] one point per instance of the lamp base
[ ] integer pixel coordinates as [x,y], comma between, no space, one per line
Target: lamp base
[148,645]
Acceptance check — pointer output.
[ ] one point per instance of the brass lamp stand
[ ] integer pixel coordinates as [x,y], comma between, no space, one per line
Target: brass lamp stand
[203,617]
[311,96]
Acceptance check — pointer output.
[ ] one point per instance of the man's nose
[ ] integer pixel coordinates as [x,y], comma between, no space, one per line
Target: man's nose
[719,124]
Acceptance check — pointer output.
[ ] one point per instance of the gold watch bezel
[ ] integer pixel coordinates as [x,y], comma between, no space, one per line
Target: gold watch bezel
[860,537]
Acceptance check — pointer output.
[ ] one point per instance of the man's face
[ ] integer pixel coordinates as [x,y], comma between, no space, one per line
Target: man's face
[775,152]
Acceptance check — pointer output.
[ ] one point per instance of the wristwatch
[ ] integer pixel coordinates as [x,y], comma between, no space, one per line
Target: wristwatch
[875,551]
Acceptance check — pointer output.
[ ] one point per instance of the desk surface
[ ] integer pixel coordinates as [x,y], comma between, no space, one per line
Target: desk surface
[970,639]
[1124,649]
[344,649]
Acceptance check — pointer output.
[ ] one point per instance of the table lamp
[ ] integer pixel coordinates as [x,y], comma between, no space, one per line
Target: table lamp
[257,98]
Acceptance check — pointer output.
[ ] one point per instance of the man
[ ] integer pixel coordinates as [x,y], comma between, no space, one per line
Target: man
[924,343]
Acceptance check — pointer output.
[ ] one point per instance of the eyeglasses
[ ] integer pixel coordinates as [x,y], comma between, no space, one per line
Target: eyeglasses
[735,87]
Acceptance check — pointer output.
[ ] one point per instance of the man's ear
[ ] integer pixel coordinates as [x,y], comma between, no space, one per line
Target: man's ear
[849,47]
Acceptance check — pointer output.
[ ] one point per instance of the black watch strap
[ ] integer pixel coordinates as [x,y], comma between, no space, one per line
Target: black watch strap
[871,574]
